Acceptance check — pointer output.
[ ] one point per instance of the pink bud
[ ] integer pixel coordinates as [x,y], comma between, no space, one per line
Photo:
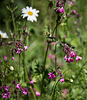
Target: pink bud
[52,43]
[25,47]
[37,93]
[12,58]
[5,57]
[74,11]
[20,39]
[50,56]
[18,86]
[62,80]
[65,58]
[31,82]
[64,36]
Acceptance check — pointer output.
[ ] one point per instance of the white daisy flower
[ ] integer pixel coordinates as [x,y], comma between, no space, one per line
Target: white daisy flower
[30,13]
[3,35]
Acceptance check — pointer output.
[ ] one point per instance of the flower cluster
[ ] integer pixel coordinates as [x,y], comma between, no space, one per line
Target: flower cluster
[19,50]
[60,3]
[25,90]
[18,86]
[71,54]
[5,93]
[60,6]
[51,75]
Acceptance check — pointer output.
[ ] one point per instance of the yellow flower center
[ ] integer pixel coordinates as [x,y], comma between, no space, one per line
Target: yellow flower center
[2,36]
[30,13]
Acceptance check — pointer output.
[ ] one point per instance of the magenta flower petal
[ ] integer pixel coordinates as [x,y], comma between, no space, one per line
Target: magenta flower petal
[78,58]
[62,80]
[37,93]
[31,82]
[18,86]
[61,10]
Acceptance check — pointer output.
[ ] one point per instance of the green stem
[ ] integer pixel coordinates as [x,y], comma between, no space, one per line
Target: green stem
[56,44]
[24,67]
[54,89]
[56,26]
[33,93]
[4,76]
[16,96]
[46,56]
[44,67]
[55,49]
[55,57]
[32,3]
[50,18]
[13,19]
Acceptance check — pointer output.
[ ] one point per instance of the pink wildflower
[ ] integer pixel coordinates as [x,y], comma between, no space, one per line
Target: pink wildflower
[70,60]
[6,95]
[72,54]
[19,50]
[25,91]
[52,43]
[62,80]
[31,82]
[78,58]
[65,92]
[65,58]
[37,93]
[50,56]
[18,86]
[5,57]
[70,2]
[12,58]
[74,11]
[6,88]
[25,47]
[51,75]
[61,10]
[20,39]
[64,36]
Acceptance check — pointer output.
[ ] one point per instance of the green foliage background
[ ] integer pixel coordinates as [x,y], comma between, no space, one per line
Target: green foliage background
[36,52]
